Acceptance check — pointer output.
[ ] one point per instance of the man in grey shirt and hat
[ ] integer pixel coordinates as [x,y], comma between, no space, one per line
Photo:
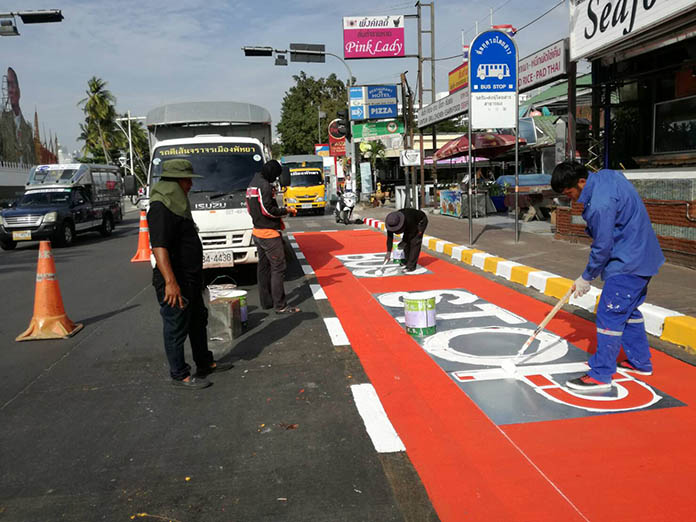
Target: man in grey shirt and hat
[411,223]
[178,275]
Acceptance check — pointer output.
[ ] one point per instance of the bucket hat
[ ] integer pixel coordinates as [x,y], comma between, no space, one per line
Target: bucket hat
[178,168]
[395,221]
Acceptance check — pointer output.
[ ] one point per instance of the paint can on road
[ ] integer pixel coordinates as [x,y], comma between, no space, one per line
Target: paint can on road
[419,313]
[398,257]
[241,296]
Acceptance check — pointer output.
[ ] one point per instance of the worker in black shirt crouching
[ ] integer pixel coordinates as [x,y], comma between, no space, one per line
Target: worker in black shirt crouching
[178,275]
[411,224]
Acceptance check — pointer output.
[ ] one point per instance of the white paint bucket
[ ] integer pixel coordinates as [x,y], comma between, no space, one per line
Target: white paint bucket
[419,313]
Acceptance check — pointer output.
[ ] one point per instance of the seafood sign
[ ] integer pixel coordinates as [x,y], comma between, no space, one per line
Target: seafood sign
[373,37]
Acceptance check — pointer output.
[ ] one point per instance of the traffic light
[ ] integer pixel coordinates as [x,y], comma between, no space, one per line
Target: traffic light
[344,123]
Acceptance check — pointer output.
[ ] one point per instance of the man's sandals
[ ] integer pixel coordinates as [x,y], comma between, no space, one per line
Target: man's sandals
[288,310]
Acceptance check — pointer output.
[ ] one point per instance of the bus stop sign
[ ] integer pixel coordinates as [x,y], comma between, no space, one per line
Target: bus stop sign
[493,81]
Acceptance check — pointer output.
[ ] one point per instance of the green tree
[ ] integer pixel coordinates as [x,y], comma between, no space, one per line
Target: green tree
[297,128]
[98,130]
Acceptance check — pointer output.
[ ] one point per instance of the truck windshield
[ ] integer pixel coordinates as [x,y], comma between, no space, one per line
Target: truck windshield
[37,199]
[225,167]
[305,177]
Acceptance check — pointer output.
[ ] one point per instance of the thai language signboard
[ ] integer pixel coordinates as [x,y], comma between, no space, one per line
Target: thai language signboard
[373,37]
[459,78]
[543,66]
[493,81]
[444,108]
[377,129]
[370,102]
[337,140]
[596,25]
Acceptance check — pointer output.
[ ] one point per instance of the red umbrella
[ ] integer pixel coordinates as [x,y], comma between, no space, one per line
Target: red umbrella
[485,144]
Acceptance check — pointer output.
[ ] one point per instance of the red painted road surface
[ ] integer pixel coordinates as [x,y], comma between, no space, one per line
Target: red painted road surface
[637,465]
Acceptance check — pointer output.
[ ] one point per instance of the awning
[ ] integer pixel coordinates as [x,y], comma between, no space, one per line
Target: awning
[454,160]
[485,144]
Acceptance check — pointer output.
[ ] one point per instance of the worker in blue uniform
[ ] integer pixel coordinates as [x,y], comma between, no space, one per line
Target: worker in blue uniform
[626,253]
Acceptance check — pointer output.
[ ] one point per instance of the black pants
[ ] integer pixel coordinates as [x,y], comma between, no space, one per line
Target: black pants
[411,244]
[271,272]
[178,323]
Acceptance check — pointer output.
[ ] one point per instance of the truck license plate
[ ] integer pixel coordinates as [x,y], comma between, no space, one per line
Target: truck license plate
[306,205]
[213,258]
[21,235]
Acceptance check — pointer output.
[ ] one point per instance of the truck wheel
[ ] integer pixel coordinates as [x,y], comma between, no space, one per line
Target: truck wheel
[107,226]
[65,236]
[8,244]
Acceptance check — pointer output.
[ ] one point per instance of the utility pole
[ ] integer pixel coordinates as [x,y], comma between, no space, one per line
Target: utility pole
[433,92]
[130,138]
[420,201]
[406,111]
[421,89]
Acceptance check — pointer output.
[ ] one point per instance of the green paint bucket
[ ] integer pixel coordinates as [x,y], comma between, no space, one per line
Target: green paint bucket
[419,313]
[241,296]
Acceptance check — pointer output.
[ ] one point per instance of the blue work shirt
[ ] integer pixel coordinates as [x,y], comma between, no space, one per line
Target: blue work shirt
[623,240]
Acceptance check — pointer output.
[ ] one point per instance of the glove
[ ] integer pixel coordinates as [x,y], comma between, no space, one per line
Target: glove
[581,287]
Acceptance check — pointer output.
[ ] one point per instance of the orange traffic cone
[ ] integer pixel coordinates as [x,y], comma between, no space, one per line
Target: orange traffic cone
[49,321]
[143,253]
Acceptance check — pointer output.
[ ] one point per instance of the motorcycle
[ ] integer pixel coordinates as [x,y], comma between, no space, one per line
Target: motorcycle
[344,207]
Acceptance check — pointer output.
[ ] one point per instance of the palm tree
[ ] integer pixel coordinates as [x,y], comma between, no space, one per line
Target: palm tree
[373,150]
[98,106]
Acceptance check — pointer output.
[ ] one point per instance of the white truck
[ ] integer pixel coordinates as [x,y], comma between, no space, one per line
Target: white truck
[227,142]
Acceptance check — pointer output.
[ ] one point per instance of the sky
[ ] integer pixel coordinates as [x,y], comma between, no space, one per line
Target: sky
[155,52]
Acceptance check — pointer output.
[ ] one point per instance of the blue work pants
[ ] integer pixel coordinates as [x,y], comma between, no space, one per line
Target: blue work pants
[619,322]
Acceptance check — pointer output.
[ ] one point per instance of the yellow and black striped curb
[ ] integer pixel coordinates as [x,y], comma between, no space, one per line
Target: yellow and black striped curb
[668,325]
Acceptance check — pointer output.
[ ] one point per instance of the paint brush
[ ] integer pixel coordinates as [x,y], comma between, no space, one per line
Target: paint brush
[509,365]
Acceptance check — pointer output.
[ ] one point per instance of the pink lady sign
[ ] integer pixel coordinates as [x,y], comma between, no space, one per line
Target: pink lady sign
[373,37]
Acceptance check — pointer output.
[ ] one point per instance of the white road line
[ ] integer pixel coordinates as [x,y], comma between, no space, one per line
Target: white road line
[307,269]
[336,332]
[377,424]
[317,292]
[333,230]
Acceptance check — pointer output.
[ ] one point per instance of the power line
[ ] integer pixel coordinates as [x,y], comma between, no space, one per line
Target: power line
[542,16]
[494,11]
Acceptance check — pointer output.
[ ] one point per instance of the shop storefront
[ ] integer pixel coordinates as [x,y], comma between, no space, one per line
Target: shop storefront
[643,57]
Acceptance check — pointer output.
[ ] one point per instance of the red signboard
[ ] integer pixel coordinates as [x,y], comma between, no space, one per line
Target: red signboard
[337,146]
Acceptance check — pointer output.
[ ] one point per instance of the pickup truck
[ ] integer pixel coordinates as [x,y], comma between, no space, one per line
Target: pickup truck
[61,201]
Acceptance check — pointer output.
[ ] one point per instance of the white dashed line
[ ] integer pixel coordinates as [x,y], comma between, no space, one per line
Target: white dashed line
[377,424]
[336,332]
[317,292]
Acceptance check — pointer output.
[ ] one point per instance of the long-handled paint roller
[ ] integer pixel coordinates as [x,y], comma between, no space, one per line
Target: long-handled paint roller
[380,270]
[509,365]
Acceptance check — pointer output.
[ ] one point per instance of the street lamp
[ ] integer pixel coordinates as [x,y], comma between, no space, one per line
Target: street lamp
[8,24]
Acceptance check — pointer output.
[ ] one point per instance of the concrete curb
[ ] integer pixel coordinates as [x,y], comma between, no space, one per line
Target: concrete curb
[668,325]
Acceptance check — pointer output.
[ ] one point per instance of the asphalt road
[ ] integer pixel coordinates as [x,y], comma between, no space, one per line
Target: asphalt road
[93,430]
